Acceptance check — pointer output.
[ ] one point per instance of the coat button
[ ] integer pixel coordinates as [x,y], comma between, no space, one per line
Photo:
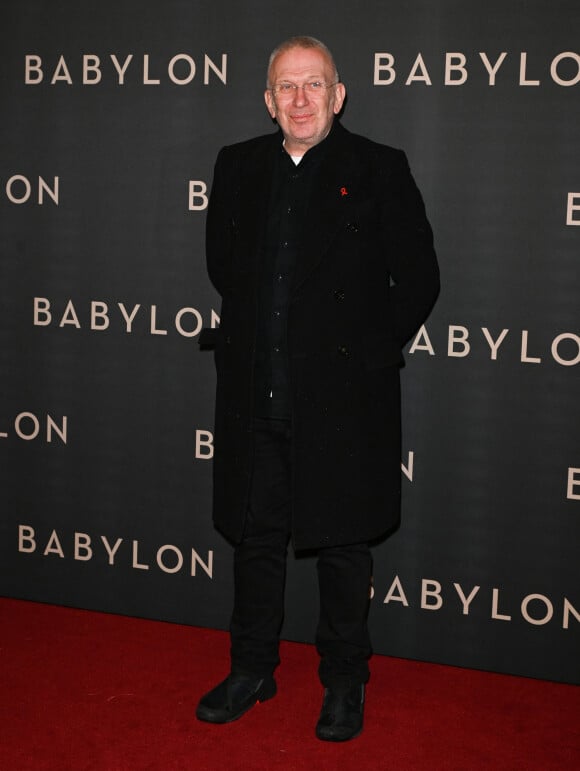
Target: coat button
[353,227]
[343,350]
[339,295]
[228,340]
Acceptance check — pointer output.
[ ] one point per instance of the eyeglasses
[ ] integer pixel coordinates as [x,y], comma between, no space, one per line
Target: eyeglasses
[312,88]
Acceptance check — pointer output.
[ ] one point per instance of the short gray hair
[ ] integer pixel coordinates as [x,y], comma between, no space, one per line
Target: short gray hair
[300,41]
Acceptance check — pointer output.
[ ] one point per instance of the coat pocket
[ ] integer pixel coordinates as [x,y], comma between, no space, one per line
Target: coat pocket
[381,352]
[208,338]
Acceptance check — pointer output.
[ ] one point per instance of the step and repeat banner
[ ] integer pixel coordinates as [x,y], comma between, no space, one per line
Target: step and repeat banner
[112,116]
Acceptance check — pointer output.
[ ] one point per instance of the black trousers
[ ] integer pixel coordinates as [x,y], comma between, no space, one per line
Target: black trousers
[344,576]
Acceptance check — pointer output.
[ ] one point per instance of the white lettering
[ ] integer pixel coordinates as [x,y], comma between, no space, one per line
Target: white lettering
[555,353]
[569,608]
[136,563]
[455,62]
[129,319]
[408,469]
[111,550]
[198,322]
[154,330]
[431,588]
[121,70]
[32,70]
[466,601]
[458,335]
[34,430]
[419,66]
[52,427]
[554,69]
[425,346]
[573,481]
[494,607]
[53,546]
[44,188]
[99,310]
[492,70]
[209,65]
[494,344]
[207,567]
[42,306]
[70,316]
[61,73]
[537,621]
[573,205]
[83,549]
[203,439]
[9,189]
[26,542]
[523,80]
[171,69]
[146,79]
[178,565]
[525,358]
[399,596]
[91,64]
[18,426]
[197,191]
[381,66]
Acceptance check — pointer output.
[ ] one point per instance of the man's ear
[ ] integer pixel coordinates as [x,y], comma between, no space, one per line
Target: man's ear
[269,99]
[339,97]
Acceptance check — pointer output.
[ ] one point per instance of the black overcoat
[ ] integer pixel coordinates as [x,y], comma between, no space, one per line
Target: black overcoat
[365,280]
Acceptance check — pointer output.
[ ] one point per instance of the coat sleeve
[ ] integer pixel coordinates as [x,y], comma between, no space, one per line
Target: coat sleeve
[409,245]
[220,223]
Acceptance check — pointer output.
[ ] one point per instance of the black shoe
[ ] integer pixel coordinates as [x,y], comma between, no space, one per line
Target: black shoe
[237,694]
[341,717]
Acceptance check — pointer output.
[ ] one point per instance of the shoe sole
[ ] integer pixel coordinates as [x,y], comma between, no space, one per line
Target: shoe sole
[339,738]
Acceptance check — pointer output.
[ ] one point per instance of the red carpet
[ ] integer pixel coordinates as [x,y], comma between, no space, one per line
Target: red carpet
[82,690]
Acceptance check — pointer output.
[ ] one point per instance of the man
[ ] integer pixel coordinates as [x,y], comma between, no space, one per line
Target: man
[318,244]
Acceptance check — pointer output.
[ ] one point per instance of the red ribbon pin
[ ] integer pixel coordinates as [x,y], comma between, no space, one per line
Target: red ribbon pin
[343,191]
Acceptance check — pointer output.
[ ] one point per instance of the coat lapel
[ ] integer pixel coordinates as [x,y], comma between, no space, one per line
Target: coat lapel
[254,192]
[335,193]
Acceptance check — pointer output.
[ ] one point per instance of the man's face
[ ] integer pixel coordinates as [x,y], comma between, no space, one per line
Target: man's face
[305,118]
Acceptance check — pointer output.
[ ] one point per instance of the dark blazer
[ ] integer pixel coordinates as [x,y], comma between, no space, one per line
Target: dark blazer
[365,280]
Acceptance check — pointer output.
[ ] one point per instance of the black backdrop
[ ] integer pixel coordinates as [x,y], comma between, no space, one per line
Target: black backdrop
[106,402]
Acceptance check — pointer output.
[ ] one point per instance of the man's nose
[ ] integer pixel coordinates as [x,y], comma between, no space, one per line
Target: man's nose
[300,95]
